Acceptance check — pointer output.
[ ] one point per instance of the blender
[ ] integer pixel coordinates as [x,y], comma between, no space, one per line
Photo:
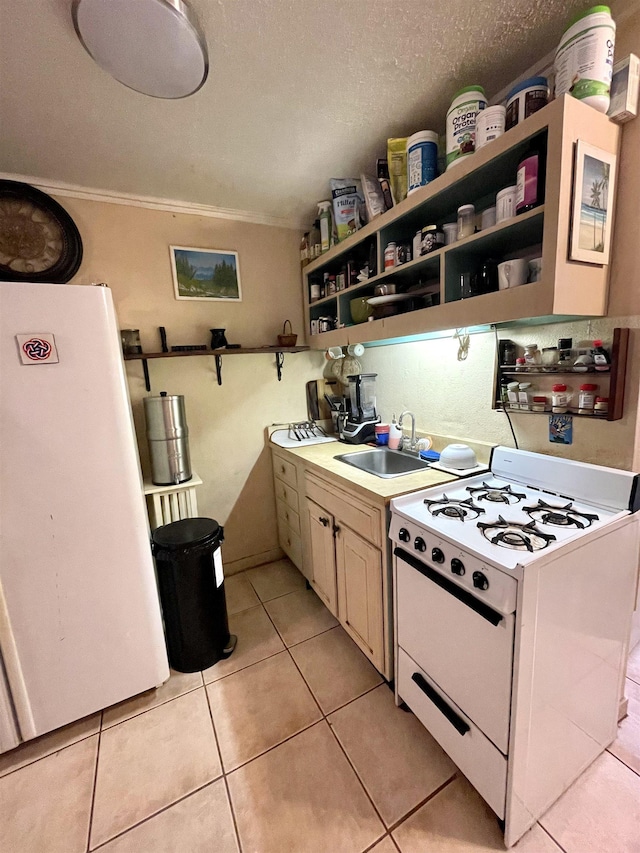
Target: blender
[360,423]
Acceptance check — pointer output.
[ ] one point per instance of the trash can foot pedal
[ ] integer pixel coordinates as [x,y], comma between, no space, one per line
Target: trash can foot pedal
[228,649]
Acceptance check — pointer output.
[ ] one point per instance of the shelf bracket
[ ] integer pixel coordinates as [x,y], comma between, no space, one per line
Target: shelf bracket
[219,369]
[145,370]
[279,363]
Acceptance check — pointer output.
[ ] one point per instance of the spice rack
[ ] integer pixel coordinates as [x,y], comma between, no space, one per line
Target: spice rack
[614,377]
[567,289]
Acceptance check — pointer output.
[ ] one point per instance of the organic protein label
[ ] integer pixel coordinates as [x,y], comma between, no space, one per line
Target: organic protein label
[461,124]
[584,60]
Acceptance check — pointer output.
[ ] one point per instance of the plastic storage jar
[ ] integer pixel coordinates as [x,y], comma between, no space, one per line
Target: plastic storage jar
[525,99]
[602,406]
[524,395]
[584,59]
[506,203]
[422,159]
[559,399]
[461,123]
[450,232]
[466,221]
[539,404]
[490,124]
[532,355]
[587,398]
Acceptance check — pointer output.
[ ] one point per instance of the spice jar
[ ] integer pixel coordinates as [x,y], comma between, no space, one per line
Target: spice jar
[549,358]
[564,352]
[390,256]
[532,355]
[524,389]
[466,221]
[602,406]
[538,404]
[512,394]
[521,363]
[587,398]
[559,399]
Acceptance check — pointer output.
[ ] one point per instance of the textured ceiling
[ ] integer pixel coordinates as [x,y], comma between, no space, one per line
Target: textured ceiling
[298,92]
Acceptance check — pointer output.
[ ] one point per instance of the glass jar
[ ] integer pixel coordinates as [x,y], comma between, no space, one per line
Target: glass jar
[512,395]
[549,358]
[602,406]
[565,359]
[390,256]
[532,355]
[521,364]
[466,221]
[559,399]
[587,398]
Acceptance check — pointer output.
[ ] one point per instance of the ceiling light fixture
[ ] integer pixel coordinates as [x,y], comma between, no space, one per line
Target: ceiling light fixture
[153,46]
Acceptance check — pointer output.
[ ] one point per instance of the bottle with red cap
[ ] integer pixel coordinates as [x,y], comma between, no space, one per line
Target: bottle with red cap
[601,358]
[587,398]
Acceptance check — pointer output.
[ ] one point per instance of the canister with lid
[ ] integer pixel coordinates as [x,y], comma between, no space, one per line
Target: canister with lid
[490,124]
[461,123]
[466,221]
[168,437]
[422,159]
[584,59]
[602,406]
[524,395]
[532,355]
[390,256]
[559,398]
[587,398]
[525,99]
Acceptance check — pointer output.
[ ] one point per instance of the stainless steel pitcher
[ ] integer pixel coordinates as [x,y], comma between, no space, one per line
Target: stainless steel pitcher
[168,437]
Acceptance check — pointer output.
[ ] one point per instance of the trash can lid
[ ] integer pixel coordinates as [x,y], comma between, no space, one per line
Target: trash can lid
[187,531]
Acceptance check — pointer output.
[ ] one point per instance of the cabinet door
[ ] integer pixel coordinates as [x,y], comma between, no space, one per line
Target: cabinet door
[322,554]
[359,575]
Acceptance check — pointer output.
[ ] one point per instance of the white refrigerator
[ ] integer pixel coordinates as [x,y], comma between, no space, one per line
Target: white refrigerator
[80,623]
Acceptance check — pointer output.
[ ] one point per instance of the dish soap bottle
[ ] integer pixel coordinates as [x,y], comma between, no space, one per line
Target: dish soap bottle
[601,357]
[395,434]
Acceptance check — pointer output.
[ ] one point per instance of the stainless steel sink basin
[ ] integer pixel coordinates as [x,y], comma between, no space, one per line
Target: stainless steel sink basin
[384,462]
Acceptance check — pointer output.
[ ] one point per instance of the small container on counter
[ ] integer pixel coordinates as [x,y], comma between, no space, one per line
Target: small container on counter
[602,406]
[524,395]
[539,403]
[549,358]
[466,221]
[382,434]
[587,398]
[560,399]
[390,256]
[532,356]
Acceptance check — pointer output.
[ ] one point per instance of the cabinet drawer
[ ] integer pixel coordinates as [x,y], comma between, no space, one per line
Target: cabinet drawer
[290,516]
[483,765]
[290,542]
[361,518]
[285,470]
[287,494]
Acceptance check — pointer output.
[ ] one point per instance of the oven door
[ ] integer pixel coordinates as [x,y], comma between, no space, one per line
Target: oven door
[462,644]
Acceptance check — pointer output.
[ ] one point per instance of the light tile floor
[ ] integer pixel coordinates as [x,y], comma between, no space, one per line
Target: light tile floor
[293,745]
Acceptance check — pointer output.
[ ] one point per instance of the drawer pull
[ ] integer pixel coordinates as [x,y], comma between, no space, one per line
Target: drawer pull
[282,469]
[455,719]
[324,521]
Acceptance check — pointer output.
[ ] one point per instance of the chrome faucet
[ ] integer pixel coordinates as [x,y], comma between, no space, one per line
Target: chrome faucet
[413,441]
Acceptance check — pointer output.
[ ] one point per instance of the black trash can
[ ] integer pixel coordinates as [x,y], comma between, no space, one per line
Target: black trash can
[191,585]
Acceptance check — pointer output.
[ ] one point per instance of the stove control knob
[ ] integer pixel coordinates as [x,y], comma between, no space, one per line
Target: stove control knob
[457,566]
[480,581]
[420,544]
[404,535]
[437,555]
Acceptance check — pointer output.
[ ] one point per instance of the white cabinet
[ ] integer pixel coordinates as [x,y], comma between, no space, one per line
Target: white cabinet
[347,554]
[285,478]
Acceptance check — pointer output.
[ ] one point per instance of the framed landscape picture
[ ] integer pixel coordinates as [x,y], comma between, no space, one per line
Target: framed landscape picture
[211,275]
[592,208]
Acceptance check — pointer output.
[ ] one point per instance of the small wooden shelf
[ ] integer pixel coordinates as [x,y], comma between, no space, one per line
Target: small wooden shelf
[217,353]
[574,414]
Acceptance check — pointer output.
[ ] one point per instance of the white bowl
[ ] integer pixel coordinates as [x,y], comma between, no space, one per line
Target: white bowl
[458,456]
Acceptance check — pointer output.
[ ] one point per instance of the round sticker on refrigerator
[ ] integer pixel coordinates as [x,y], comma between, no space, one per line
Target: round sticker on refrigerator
[37,349]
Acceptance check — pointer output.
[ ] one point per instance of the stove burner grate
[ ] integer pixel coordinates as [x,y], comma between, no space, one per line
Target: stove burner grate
[305,429]
[450,508]
[496,494]
[514,535]
[560,516]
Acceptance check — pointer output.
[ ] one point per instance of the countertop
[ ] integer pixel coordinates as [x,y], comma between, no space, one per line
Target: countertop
[321,458]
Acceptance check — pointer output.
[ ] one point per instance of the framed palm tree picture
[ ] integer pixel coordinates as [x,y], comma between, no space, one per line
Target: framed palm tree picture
[210,275]
[592,204]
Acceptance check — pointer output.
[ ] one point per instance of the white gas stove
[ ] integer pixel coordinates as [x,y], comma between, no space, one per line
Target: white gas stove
[513,592]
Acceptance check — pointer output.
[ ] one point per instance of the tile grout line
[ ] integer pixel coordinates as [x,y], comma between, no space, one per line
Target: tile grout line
[431,796]
[224,774]
[104,728]
[49,754]
[94,785]
[546,832]
[623,762]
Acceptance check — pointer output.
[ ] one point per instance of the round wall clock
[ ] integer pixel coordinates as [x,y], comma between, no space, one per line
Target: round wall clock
[39,241]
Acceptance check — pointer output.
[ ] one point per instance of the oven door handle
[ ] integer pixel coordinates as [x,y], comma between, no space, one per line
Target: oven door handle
[455,719]
[453,589]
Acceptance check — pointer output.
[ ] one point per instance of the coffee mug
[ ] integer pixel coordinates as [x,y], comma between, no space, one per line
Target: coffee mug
[512,273]
[535,269]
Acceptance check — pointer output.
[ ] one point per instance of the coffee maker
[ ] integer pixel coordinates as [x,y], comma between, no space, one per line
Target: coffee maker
[360,424]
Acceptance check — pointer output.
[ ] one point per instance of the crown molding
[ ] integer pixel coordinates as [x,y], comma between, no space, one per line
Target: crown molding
[60,188]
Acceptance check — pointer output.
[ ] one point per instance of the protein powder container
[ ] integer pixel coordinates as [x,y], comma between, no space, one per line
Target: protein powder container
[525,99]
[530,180]
[461,123]
[422,159]
[584,59]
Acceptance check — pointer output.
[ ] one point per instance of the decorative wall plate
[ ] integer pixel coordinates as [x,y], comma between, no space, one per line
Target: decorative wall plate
[39,241]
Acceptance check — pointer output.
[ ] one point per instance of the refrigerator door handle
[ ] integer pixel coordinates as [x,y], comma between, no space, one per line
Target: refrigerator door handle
[13,671]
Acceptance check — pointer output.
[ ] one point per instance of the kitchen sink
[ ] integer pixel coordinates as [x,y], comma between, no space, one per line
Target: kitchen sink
[384,462]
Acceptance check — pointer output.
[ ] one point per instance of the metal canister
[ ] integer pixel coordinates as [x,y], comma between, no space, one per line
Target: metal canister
[168,437]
